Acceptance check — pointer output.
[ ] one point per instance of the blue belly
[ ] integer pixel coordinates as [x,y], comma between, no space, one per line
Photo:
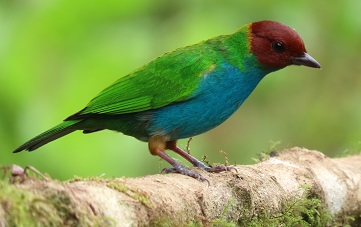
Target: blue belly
[219,95]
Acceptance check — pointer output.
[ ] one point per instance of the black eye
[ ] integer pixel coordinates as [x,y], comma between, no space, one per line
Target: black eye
[279,47]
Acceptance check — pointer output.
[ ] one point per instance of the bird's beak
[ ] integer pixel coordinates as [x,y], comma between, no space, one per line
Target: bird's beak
[305,60]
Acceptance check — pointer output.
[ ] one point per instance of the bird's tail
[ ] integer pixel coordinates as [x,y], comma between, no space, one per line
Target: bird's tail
[54,133]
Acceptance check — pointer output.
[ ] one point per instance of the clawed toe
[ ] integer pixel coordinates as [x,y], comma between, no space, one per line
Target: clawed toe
[220,168]
[182,170]
[169,170]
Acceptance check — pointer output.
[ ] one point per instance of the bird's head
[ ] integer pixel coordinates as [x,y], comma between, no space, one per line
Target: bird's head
[276,46]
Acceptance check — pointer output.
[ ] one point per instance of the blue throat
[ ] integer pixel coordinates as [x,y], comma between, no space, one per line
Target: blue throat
[220,94]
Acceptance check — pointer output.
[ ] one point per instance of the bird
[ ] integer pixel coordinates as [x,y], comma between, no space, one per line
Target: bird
[187,91]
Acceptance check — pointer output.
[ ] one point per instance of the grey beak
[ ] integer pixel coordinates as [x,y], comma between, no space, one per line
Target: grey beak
[305,60]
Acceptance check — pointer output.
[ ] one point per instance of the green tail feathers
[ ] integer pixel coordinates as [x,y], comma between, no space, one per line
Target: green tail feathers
[54,133]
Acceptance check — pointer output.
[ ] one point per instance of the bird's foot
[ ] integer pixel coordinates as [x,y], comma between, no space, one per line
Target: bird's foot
[178,168]
[217,169]
[157,145]
[172,145]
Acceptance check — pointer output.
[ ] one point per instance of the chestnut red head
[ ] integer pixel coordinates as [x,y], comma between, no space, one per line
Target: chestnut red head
[276,45]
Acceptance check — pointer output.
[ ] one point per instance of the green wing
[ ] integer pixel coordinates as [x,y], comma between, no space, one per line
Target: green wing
[171,78]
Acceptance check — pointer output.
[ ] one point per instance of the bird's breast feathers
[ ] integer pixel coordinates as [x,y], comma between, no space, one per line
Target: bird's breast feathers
[221,91]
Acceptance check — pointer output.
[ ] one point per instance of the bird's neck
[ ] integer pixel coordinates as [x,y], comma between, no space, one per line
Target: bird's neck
[237,52]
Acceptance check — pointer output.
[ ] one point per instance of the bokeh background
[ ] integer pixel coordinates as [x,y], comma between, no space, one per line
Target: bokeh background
[57,55]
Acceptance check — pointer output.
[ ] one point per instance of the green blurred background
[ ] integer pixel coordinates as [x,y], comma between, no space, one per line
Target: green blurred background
[57,55]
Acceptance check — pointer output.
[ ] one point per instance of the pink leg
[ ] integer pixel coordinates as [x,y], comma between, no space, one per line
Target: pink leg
[157,145]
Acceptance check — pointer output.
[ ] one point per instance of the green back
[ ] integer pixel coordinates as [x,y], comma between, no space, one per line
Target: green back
[173,77]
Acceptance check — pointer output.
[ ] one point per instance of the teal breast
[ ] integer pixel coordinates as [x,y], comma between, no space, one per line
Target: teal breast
[220,93]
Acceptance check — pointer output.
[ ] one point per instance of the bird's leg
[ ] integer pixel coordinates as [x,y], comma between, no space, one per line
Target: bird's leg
[172,145]
[157,146]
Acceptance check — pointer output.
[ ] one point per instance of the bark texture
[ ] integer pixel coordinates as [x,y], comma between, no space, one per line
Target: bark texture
[267,189]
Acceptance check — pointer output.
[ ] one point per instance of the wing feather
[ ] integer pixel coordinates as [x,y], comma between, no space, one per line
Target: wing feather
[173,77]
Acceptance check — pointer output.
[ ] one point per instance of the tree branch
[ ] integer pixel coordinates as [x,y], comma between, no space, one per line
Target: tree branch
[295,185]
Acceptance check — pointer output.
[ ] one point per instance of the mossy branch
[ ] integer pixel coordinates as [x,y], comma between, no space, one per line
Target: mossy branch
[294,187]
